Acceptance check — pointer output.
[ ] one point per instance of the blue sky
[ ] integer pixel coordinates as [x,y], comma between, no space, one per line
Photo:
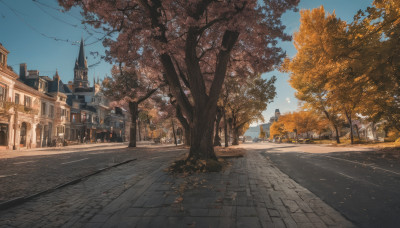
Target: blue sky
[26,26]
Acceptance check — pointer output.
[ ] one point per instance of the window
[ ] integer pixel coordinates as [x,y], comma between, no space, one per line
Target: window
[27,101]
[51,111]
[2,92]
[63,112]
[2,59]
[43,108]
[60,130]
[16,98]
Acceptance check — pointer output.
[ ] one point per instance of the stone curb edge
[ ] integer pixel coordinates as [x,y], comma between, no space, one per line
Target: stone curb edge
[21,200]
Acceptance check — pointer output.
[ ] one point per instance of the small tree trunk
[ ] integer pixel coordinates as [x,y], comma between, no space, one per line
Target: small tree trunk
[139,129]
[184,123]
[337,134]
[225,129]
[374,131]
[334,126]
[358,132]
[235,136]
[173,131]
[351,127]
[133,108]
[217,139]
[145,137]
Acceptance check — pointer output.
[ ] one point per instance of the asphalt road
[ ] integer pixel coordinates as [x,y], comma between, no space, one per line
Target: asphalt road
[23,173]
[363,185]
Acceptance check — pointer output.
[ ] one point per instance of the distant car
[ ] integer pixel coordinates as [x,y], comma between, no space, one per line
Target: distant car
[256,140]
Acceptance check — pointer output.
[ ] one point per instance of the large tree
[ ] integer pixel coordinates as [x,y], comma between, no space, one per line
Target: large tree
[377,38]
[322,70]
[193,42]
[128,87]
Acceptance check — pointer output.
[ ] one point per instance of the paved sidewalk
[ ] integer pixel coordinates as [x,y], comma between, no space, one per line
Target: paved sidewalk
[250,193]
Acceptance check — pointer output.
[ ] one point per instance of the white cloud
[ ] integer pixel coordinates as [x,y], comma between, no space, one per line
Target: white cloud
[288,100]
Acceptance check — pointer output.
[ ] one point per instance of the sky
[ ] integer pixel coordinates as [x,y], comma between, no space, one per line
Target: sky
[37,33]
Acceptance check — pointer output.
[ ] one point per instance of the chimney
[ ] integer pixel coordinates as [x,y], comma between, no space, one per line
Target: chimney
[22,71]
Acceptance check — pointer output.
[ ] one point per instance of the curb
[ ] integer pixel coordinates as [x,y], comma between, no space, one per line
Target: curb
[20,200]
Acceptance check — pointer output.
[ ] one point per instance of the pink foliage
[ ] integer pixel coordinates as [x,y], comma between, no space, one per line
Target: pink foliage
[143,38]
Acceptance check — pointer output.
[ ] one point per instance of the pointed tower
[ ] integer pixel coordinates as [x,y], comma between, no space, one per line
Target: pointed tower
[56,79]
[81,69]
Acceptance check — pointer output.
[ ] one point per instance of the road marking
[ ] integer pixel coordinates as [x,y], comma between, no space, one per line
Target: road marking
[74,161]
[359,163]
[360,180]
[350,177]
[1,176]
[17,163]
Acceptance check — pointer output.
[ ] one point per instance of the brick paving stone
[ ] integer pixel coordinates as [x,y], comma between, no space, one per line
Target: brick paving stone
[75,205]
[248,222]
[246,211]
[251,192]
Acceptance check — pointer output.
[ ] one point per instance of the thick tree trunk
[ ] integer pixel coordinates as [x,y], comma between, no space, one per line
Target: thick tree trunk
[225,129]
[173,131]
[187,137]
[201,146]
[133,108]
[217,139]
[200,115]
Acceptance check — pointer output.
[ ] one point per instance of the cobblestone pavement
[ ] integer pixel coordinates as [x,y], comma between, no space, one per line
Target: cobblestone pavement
[251,192]
[75,204]
[26,172]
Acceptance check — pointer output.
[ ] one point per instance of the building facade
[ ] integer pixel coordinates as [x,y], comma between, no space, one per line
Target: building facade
[92,117]
[41,111]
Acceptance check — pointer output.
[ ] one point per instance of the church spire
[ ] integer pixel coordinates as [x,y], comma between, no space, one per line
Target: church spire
[81,69]
[81,57]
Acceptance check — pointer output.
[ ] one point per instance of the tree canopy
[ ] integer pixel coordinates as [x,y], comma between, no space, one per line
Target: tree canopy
[194,45]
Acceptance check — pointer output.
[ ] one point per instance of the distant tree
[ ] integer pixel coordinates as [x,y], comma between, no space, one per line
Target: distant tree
[302,122]
[246,101]
[277,129]
[262,133]
[129,88]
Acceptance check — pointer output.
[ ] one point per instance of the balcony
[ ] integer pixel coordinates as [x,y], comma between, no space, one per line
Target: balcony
[5,107]
[27,110]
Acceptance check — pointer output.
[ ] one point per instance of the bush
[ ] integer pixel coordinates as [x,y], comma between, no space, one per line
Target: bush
[286,140]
